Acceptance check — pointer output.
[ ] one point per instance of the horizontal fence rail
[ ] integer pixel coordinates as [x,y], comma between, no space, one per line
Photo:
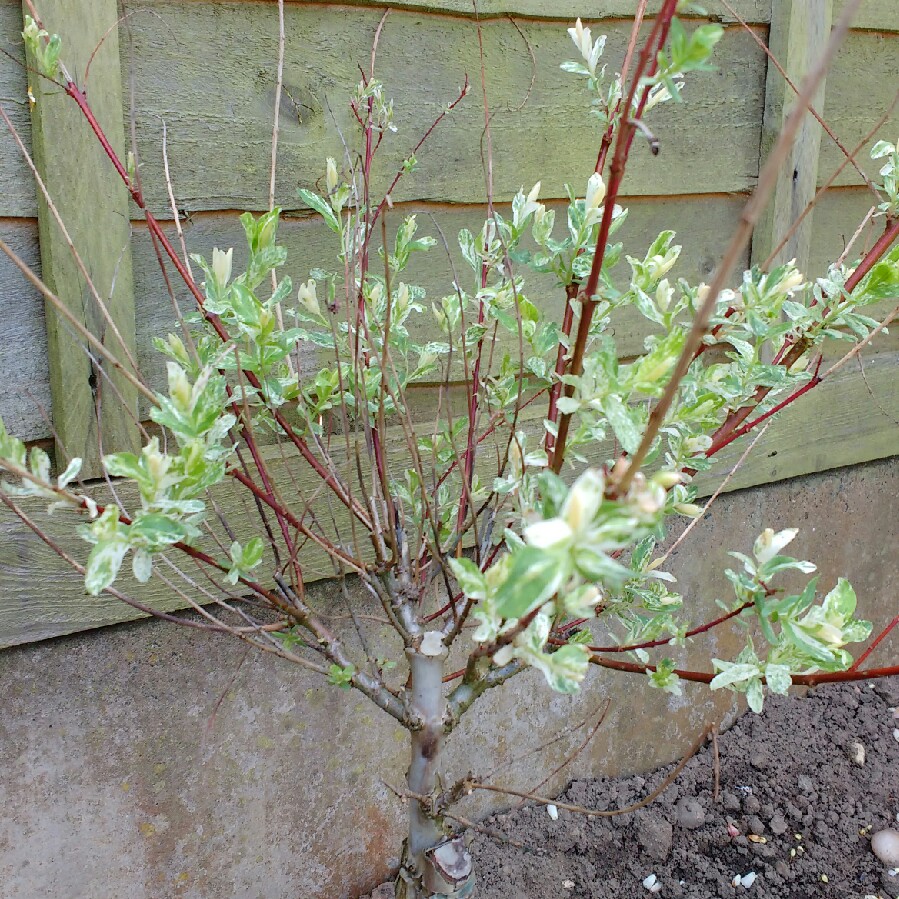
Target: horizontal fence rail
[199,79]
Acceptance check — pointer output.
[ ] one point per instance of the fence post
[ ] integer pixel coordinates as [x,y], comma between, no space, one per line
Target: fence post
[94,410]
[799,29]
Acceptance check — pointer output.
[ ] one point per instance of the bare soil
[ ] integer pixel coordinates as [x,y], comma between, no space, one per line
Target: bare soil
[802,789]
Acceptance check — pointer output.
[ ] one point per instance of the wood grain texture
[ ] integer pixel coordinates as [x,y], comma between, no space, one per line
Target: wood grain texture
[17,193]
[23,339]
[874,15]
[93,408]
[310,244]
[565,10]
[799,28]
[845,421]
[836,218]
[837,215]
[219,116]
[861,85]
[839,423]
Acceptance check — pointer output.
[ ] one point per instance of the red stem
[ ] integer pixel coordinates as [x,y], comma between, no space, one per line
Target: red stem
[616,173]
[799,680]
[462,93]
[203,557]
[875,643]
[556,389]
[269,500]
[78,96]
[873,256]
[718,445]
[650,644]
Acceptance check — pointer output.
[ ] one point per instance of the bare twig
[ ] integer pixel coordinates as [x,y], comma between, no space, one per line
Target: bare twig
[594,813]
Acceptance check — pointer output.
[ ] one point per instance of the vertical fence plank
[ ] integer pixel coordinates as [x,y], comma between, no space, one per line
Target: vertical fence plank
[93,411]
[799,30]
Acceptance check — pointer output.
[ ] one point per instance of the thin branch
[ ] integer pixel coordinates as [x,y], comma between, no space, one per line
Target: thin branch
[594,813]
[718,491]
[750,216]
[333,483]
[849,158]
[73,250]
[829,182]
[576,751]
[799,680]
[626,131]
[75,323]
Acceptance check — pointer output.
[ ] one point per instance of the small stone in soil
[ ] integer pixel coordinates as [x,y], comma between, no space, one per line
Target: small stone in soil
[690,813]
[885,845]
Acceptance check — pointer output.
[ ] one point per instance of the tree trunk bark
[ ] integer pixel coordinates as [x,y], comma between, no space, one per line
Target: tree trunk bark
[433,865]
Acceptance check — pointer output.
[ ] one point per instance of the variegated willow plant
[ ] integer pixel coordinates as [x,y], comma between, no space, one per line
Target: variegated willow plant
[501,531]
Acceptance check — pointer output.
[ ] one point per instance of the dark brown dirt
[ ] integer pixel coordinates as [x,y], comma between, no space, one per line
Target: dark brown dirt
[791,779]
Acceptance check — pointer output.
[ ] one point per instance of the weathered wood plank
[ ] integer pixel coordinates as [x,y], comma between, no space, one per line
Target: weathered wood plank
[311,245]
[17,195]
[92,413]
[837,216]
[860,87]
[844,421]
[23,338]
[837,424]
[798,30]
[219,116]
[749,10]
[874,15]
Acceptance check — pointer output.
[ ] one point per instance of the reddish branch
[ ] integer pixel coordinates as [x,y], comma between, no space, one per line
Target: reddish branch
[339,490]
[875,643]
[265,496]
[731,428]
[799,680]
[463,92]
[626,132]
[719,442]
[650,644]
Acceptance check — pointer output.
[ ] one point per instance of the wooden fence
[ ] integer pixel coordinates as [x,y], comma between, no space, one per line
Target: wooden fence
[197,79]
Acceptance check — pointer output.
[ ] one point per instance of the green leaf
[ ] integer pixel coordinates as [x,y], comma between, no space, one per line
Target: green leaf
[321,207]
[732,673]
[155,531]
[755,696]
[534,576]
[622,421]
[341,677]
[125,465]
[840,603]
[470,578]
[806,644]
[142,565]
[69,475]
[103,565]
[778,678]
[565,668]
[881,283]
[11,448]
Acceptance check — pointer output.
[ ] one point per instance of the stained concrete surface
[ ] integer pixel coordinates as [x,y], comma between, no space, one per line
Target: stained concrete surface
[147,761]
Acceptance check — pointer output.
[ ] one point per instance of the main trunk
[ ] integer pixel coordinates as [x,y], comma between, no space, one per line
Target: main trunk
[433,866]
